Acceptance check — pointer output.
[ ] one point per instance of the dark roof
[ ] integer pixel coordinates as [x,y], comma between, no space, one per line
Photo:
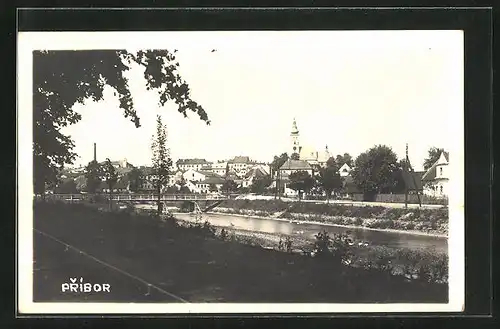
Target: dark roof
[430,174]
[413,180]
[212,180]
[208,173]
[192,161]
[255,172]
[296,165]
[240,159]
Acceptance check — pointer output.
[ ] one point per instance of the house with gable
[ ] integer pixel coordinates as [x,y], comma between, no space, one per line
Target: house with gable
[345,170]
[436,178]
[251,175]
[288,168]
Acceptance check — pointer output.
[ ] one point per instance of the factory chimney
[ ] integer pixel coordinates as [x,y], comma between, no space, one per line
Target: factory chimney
[95,152]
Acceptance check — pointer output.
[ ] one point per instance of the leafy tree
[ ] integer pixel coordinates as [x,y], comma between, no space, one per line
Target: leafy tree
[399,181]
[229,186]
[162,163]
[93,175]
[278,161]
[183,189]
[329,178]
[213,188]
[63,78]
[67,187]
[301,181]
[110,177]
[433,155]
[260,184]
[295,156]
[374,170]
[342,159]
[135,178]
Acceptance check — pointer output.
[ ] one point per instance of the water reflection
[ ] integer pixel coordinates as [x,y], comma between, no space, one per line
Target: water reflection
[389,239]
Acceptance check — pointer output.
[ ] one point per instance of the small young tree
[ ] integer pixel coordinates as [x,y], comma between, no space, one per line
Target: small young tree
[93,174]
[162,162]
[301,181]
[110,177]
[278,161]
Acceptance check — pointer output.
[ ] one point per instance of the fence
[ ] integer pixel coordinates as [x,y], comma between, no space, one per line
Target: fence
[400,198]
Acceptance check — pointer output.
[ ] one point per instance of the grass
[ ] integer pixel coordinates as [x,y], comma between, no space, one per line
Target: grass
[188,263]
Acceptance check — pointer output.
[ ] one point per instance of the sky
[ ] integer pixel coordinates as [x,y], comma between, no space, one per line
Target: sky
[347,90]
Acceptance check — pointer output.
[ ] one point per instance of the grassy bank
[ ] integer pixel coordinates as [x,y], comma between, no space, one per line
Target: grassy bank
[433,221]
[200,264]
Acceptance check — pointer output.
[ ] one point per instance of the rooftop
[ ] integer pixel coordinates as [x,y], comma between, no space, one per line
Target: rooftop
[296,165]
[430,174]
[241,159]
[192,161]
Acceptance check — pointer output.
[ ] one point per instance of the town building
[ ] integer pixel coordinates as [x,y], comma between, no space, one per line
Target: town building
[288,168]
[436,178]
[306,152]
[194,164]
[240,165]
[345,170]
[209,185]
[220,167]
[253,174]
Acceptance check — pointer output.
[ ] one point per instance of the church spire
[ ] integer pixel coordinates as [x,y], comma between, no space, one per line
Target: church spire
[295,130]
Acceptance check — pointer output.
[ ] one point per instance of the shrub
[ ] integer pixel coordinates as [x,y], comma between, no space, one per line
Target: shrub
[223,234]
[322,243]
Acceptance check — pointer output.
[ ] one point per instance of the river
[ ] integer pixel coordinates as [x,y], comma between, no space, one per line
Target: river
[308,230]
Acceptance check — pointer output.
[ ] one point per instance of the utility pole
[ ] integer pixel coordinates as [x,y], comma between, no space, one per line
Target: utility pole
[410,172]
[406,172]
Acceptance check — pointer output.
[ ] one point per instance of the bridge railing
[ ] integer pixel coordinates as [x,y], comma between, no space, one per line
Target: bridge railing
[139,197]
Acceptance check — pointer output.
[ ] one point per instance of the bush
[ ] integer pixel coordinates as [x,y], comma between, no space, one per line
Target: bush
[337,247]
[285,244]
[223,234]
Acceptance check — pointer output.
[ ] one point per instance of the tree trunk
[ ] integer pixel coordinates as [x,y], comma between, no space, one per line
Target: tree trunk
[327,197]
[110,198]
[159,201]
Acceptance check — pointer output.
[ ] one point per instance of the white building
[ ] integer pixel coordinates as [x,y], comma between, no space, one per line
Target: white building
[436,178]
[220,167]
[345,170]
[240,165]
[195,164]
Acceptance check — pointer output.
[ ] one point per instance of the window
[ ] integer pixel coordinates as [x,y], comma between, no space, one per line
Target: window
[441,172]
[441,189]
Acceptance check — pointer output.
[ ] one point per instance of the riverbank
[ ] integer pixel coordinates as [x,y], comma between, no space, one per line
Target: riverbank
[229,213]
[433,222]
[171,256]
[360,254]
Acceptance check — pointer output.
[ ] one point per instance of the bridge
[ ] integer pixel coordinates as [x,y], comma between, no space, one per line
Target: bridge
[141,197]
[210,200]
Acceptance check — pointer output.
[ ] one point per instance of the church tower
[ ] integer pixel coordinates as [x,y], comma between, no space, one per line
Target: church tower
[295,138]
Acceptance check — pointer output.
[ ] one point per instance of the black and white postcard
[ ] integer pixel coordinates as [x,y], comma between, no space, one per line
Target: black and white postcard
[248,172]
